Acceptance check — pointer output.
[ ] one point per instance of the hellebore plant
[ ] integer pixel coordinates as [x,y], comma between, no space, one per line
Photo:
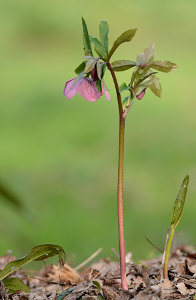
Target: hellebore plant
[90,85]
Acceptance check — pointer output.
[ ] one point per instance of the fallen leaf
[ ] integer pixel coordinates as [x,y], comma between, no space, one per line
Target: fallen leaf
[64,274]
[182,288]
[191,264]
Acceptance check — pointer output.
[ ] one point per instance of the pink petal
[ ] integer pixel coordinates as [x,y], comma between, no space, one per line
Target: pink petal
[71,89]
[141,95]
[107,95]
[88,90]
[86,87]
[105,91]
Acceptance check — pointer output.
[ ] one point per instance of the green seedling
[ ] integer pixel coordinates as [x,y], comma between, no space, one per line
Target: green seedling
[175,219]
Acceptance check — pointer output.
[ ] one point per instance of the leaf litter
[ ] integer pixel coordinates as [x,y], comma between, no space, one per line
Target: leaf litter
[101,280]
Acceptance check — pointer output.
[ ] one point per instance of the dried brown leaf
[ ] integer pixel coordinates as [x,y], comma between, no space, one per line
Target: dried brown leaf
[191,264]
[182,288]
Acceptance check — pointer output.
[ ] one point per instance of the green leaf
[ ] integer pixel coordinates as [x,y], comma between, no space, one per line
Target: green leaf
[139,89]
[91,62]
[99,71]
[97,284]
[126,36]
[86,39]
[101,67]
[147,56]
[141,73]
[164,66]
[65,293]
[99,86]
[103,34]
[126,102]
[179,203]
[80,68]
[15,284]
[135,74]
[99,48]
[145,83]
[143,78]
[37,253]
[156,87]
[123,87]
[122,65]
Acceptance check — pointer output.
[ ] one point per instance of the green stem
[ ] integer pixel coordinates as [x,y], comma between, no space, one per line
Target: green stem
[120,183]
[167,252]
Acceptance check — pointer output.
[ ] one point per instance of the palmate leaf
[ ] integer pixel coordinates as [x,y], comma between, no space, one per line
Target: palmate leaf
[15,284]
[179,203]
[126,36]
[122,65]
[37,253]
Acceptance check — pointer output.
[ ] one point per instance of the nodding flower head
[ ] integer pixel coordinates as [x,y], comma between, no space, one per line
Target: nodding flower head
[86,87]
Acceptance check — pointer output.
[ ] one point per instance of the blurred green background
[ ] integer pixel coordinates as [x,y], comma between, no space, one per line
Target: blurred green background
[60,156]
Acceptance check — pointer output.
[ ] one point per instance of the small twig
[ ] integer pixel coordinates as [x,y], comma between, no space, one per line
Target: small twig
[88,259]
[153,244]
[89,276]
[118,276]
[48,281]
[173,273]
[106,269]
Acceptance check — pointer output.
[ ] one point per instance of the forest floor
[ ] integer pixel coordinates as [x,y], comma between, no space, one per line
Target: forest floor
[101,280]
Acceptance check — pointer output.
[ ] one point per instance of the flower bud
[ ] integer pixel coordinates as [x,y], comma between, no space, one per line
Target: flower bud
[141,95]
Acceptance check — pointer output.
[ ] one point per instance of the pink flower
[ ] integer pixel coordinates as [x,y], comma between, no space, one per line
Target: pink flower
[86,87]
[141,95]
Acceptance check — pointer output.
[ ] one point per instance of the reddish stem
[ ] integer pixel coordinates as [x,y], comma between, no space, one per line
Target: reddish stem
[120,183]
